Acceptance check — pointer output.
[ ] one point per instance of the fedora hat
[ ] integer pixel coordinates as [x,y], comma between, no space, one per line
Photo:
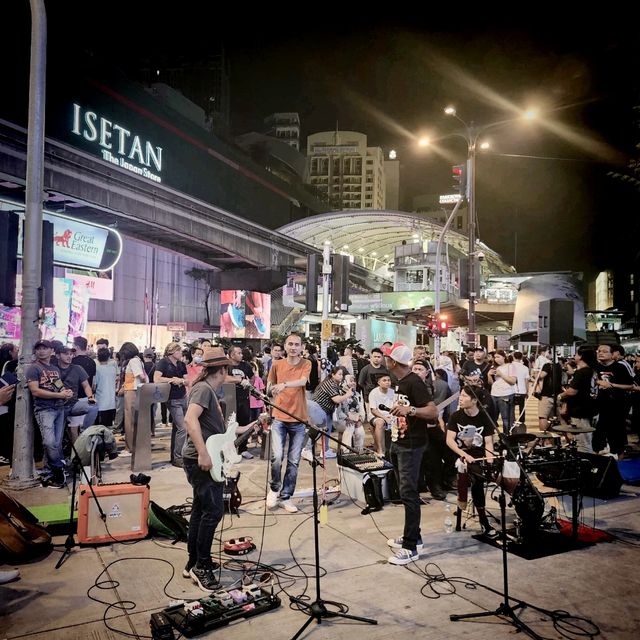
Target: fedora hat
[214,357]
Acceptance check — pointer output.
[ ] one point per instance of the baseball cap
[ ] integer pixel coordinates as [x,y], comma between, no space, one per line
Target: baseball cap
[42,343]
[64,349]
[423,363]
[401,354]
[148,353]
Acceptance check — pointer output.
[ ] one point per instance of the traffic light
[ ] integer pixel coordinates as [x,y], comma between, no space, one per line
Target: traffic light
[443,328]
[459,173]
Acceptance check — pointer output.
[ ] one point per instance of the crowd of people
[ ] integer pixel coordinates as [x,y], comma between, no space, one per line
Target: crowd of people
[430,417]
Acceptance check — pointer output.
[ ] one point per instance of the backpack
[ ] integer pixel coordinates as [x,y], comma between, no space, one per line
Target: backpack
[21,537]
[167,523]
[372,486]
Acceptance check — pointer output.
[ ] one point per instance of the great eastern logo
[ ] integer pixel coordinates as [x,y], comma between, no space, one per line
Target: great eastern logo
[63,239]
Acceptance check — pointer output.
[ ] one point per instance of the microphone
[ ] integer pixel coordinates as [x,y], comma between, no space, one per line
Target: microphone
[383,407]
[245,384]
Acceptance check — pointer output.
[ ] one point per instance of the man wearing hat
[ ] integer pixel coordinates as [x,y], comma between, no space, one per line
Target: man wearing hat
[204,418]
[415,409]
[171,369]
[49,396]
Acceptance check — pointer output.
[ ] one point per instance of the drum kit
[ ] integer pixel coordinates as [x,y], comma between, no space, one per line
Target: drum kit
[555,463]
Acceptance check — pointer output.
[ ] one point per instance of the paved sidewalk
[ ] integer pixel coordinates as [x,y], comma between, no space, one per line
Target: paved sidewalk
[598,582]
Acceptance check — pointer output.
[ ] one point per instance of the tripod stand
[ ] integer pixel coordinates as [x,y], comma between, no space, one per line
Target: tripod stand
[69,543]
[318,608]
[504,609]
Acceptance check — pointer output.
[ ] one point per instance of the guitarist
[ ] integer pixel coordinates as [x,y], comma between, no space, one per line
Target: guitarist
[204,418]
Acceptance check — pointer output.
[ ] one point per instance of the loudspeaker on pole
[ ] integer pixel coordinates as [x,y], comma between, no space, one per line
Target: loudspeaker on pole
[555,321]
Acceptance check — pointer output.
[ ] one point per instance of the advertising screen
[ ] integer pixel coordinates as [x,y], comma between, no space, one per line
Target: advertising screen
[245,314]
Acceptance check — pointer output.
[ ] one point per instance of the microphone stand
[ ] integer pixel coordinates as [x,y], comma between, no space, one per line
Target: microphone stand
[317,610]
[504,609]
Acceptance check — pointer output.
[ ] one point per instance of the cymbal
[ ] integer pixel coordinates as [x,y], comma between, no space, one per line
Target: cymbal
[519,438]
[569,428]
[544,434]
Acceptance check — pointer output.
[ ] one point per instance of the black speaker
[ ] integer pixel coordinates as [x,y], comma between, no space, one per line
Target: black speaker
[311,292]
[8,257]
[600,476]
[555,321]
[340,282]
[46,267]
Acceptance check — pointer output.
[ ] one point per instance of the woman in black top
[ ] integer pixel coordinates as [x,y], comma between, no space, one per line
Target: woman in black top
[470,435]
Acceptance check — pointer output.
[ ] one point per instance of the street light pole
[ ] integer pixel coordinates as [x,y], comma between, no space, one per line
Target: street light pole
[472,338]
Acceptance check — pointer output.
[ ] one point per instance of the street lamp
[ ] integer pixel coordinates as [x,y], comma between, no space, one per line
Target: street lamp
[471,134]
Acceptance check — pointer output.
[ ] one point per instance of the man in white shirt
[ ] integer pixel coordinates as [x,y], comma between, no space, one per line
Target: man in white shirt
[521,373]
[381,419]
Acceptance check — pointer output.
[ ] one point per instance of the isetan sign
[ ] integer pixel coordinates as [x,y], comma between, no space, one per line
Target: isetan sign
[118,145]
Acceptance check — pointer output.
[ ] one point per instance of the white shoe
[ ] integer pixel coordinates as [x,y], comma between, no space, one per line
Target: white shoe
[9,576]
[397,543]
[403,556]
[124,454]
[272,499]
[329,453]
[287,505]
[307,455]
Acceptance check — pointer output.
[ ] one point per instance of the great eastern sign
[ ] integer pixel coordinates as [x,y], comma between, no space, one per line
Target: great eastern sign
[82,244]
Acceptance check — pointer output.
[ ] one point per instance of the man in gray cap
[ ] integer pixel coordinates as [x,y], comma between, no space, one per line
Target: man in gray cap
[415,409]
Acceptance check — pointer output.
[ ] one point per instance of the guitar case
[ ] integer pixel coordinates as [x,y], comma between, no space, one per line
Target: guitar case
[21,537]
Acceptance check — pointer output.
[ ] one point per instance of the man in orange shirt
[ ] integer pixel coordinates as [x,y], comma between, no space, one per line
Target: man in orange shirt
[286,383]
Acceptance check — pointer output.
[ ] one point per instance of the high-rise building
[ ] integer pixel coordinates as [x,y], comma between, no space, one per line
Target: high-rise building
[285,127]
[345,171]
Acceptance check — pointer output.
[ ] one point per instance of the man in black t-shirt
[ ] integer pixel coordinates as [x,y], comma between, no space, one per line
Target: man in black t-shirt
[614,381]
[414,408]
[83,360]
[240,370]
[75,378]
[171,369]
[470,435]
[580,396]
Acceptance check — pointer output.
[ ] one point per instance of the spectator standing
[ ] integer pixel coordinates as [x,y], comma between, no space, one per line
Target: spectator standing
[132,377]
[105,384]
[82,359]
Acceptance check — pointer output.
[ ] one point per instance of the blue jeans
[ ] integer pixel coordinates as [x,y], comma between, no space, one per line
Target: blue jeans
[279,432]
[83,407]
[206,512]
[407,463]
[51,423]
[506,411]
[321,419]
[177,409]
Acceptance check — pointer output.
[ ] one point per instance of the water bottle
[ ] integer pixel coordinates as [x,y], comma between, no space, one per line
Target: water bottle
[448,519]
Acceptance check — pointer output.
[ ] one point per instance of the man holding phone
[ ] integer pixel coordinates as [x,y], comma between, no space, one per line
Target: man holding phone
[76,378]
[49,395]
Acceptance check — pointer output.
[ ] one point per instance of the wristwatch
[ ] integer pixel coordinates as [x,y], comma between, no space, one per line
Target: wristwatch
[412,411]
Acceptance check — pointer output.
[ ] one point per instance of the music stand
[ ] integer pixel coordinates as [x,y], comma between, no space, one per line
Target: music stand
[317,609]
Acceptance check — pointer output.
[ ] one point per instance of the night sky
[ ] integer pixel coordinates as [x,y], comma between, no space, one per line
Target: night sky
[391,78]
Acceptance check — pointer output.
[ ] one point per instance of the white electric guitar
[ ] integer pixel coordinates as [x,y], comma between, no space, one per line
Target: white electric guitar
[222,451]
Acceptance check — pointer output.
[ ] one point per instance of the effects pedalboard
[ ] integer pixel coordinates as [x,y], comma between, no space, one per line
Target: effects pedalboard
[192,618]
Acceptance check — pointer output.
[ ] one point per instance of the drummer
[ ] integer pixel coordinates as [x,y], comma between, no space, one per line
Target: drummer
[470,435]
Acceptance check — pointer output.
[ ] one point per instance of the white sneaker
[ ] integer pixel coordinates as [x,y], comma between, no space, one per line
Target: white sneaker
[288,506]
[124,454]
[403,556]
[307,455]
[272,499]
[397,543]
[329,453]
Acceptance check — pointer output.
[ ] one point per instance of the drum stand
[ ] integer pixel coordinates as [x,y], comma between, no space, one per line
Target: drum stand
[505,609]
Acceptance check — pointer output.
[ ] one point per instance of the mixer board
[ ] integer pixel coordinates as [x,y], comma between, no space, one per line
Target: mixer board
[363,462]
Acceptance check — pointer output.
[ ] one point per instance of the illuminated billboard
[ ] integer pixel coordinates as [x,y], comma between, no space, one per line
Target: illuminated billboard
[245,314]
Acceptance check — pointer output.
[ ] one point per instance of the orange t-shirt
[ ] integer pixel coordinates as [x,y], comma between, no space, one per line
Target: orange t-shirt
[292,399]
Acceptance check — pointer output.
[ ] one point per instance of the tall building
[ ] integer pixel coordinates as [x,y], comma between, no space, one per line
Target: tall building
[285,127]
[392,183]
[345,171]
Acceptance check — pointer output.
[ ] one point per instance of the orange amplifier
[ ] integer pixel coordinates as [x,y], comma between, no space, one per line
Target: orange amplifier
[126,507]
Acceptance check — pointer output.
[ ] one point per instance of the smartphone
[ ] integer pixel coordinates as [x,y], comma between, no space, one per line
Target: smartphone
[8,379]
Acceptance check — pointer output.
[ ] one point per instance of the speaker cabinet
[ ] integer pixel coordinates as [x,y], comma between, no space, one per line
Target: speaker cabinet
[46,268]
[601,476]
[313,269]
[8,257]
[555,321]
[126,507]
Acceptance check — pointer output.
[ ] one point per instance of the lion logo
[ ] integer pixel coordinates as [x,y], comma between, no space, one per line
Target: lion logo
[63,240]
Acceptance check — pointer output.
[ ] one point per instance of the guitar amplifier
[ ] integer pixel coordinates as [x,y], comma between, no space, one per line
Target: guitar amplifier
[352,482]
[126,507]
